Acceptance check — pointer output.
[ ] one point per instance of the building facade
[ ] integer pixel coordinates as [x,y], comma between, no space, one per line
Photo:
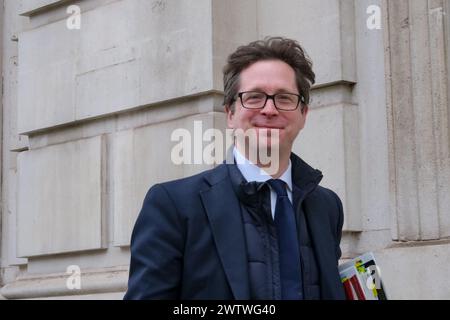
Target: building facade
[93,91]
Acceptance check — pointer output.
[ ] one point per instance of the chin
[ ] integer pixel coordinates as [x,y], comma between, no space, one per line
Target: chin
[268,146]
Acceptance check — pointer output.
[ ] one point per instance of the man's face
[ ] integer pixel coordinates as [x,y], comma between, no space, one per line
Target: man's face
[271,77]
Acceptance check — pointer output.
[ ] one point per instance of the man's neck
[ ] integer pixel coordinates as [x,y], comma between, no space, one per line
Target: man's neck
[281,163]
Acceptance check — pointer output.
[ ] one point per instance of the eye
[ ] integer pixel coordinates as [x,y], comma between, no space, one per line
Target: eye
[286,98]
[253,96]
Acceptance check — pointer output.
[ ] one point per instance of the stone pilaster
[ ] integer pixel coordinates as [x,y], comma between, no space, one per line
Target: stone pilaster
[418,119]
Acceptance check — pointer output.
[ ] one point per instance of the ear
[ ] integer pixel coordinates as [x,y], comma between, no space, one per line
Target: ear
[305,110]
[230,116]
[304,113]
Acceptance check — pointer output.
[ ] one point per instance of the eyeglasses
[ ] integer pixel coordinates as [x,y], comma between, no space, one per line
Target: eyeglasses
[258,100]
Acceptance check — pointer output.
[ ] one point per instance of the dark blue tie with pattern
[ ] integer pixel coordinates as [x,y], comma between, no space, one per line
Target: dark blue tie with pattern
[289,253]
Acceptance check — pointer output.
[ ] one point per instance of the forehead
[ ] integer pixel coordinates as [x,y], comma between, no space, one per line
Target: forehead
[268,75]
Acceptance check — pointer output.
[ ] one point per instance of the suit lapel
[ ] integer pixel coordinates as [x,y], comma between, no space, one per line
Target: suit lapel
[224,214]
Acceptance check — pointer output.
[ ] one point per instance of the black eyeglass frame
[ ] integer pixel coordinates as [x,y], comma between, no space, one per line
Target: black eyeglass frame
[272,96]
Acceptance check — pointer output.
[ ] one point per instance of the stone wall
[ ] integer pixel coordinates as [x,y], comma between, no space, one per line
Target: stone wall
[88,115]
[1,131]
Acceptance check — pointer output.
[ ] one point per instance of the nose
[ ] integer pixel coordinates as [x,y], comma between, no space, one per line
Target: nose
[269,109]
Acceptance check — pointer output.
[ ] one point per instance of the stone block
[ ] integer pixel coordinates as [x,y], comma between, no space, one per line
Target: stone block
[126,54]
[142,158]
[325,28]
[60,200]
[329,134]
[416,272]
[235,23]
[10,222]
[29,7]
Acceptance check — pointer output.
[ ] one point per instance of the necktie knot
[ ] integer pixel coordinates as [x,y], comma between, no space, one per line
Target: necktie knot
[279,186]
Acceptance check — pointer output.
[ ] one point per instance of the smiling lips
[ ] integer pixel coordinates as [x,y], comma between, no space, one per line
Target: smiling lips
[268,126]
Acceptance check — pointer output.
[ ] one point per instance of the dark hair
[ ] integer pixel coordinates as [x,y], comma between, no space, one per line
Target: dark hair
[277,48]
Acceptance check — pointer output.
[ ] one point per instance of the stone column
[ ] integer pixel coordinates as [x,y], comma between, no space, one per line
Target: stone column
[417,91]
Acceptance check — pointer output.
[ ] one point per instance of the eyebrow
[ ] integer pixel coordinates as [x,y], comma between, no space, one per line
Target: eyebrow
[258,89]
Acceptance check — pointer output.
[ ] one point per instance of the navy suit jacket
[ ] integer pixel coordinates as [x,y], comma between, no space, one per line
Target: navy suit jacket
[188,241]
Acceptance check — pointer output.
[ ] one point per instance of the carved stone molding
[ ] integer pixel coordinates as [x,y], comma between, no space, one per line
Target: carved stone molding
[52,285]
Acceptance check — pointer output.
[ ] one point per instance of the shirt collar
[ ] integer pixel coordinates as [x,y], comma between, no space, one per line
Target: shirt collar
[252,172]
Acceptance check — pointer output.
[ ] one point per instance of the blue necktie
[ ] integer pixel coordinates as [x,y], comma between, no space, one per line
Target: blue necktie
[289,254]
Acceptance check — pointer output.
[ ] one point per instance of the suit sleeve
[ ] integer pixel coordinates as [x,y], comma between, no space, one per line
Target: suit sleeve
[339,225]
[156,249]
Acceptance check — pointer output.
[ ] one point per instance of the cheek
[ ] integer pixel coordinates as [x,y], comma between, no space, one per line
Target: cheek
[301,124]
[301,117]
[296,121]
[295,127]
[232,119]
[239,119]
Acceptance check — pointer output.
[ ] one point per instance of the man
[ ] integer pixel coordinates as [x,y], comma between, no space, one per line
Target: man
[234,232]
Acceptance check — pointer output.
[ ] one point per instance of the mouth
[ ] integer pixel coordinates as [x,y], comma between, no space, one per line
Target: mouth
[268,127]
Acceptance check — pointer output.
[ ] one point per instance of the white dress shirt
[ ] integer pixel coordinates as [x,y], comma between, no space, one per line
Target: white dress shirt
[252,172]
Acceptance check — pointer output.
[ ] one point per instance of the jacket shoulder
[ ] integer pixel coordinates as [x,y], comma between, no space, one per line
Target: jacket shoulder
[327,195]
[330,203]
[188,188]
[197,182]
